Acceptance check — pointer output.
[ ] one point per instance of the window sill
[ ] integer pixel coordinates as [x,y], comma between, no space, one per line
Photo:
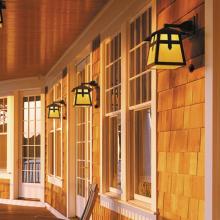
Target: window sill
[130,208]
[55,180]
[4,174]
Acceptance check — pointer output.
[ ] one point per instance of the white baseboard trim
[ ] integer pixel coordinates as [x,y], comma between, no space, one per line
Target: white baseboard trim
[128,210]
[22,203]
[55,212]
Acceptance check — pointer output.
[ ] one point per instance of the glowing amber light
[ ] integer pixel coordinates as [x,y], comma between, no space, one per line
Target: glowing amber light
[83,96]
[53,111]
[1,19]
[166,50]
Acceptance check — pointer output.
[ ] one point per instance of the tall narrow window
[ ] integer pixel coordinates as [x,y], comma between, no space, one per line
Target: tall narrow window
[55,136]
[31,139]
[113,112]
[3,133]
[140,106]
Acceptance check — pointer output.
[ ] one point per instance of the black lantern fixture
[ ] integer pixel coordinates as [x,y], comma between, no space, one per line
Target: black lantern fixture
[83,94]
[166,47]
[54,109]
[2,6]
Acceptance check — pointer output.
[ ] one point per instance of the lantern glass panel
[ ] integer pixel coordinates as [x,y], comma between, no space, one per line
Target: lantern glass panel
[83,98]
[54,112]
[170,55]
[160,56]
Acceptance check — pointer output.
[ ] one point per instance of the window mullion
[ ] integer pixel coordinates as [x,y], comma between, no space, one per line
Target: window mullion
[124,170]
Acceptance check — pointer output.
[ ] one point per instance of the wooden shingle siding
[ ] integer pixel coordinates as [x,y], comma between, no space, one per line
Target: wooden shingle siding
[4,189]
[180,122]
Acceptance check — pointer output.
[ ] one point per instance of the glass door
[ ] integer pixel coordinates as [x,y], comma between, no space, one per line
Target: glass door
[30,149]
[83,143]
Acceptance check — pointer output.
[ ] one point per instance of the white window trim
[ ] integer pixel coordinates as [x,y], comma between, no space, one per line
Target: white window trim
[117,113]
[57,181]
[124,117]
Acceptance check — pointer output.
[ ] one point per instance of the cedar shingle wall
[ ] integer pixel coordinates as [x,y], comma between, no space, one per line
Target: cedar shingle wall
[180,122]
[4,189]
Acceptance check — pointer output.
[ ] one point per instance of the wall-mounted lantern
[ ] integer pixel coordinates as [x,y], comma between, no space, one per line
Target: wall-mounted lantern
[54,109]
[2,6]
[166,47]
[83,94]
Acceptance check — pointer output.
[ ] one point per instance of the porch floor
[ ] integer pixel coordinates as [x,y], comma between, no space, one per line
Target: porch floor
[13,212]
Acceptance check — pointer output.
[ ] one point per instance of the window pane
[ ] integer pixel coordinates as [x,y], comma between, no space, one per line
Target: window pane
[58,153]
[51,153]
[115,152]
[142,151]
[113,75]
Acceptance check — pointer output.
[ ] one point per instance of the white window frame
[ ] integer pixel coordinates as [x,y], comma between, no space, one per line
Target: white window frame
[116,113]
[53,178]
[148,104]
[125,195]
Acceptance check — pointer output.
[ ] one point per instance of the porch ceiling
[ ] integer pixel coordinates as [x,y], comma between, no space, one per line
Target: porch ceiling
[36,33]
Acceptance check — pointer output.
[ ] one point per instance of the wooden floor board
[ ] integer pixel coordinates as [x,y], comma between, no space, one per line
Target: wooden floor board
[12,212]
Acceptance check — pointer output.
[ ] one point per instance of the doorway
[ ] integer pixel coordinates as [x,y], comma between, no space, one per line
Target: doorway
[30,181]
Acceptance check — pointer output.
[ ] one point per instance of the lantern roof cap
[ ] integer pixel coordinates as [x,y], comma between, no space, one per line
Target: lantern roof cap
[82,86]
[53,105]
[165,30]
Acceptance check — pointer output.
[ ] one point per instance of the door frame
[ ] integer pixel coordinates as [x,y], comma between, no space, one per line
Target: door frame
[34,92]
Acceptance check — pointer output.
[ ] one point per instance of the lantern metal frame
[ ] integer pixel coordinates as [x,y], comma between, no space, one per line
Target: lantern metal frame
[57,104]
[184,29]
[170,42]
[88,86]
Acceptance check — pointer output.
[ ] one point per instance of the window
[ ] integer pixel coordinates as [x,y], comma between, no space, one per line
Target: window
[31,141]
[83,140]
[55,136]
[3,133]
[113,111]
[140,106]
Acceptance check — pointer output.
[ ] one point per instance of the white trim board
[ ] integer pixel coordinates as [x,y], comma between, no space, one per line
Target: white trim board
[8,87]
[22,203]
[126,209]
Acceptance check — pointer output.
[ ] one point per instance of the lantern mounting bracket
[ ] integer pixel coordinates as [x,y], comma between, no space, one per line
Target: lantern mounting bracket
[61,102]
[2,4]
[186,28]
[92,83]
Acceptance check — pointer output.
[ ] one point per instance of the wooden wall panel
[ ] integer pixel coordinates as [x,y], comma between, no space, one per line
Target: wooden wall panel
[54,195]
[4,188]
[180,125]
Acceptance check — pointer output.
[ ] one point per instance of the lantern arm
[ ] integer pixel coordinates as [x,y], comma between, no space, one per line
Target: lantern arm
[87,85]
[53,104]
[187,27]
[61,102]
[92,83]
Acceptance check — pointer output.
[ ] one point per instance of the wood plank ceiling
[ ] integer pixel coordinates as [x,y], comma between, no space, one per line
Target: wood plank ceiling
[36,33]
